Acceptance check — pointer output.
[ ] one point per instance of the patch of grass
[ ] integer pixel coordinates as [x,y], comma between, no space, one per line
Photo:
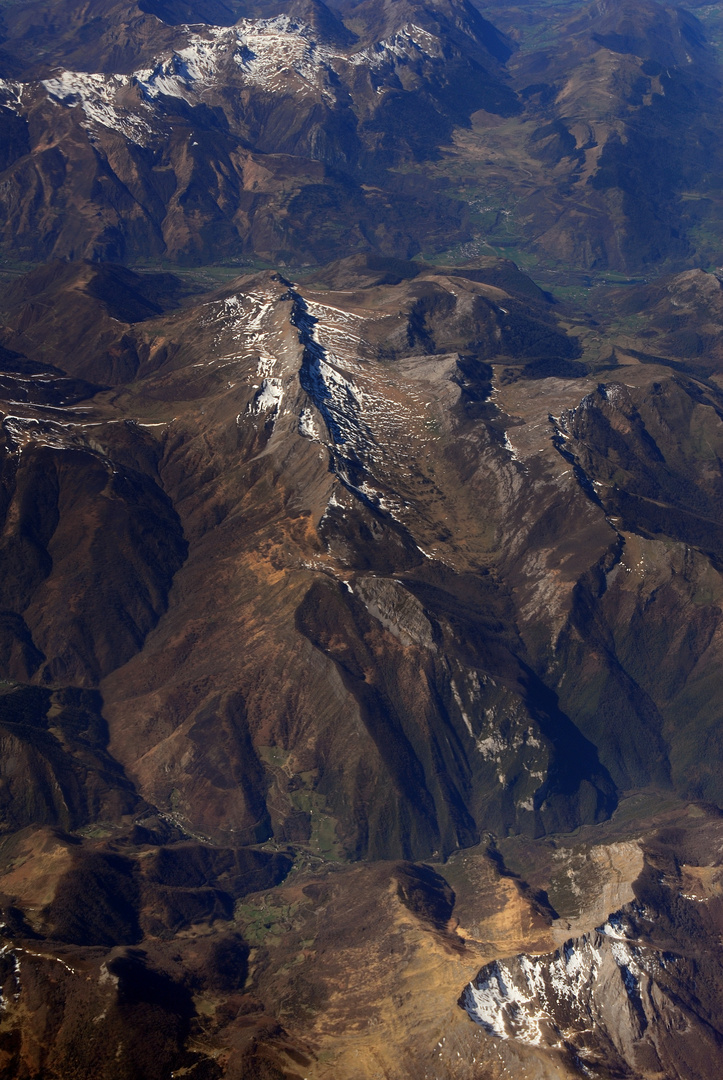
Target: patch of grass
[712,18]
[274,756]
[265,920]
[99,830]
[324,841]
[11,270]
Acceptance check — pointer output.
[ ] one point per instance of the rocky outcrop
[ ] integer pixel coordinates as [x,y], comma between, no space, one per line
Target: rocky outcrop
[605,999]
[636,995]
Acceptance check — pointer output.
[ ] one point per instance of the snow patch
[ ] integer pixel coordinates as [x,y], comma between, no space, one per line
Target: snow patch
[264,51]
[97,96]
[268,398]
[409,43]
[460,706]
[491,746]
[307,425]
[550,998]
[510,448]
[24,431]
[11,92]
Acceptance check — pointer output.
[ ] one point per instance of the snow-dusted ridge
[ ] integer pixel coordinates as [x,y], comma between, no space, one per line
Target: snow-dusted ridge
[411,42]
[335,397]
[263,52]
[99,98]
[275,55]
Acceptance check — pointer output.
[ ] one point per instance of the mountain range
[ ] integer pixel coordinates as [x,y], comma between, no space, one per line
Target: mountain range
[361,524]
[299,133]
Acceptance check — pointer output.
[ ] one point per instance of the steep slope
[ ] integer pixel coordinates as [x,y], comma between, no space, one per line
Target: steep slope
[305,527]
[356,571]
[360,623]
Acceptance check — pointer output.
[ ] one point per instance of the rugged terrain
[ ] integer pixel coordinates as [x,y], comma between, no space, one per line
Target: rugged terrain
[306,574]
[361,614]
[586,136]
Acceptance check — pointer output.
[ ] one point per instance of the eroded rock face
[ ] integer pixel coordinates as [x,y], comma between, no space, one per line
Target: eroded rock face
[639,994]
[597,995]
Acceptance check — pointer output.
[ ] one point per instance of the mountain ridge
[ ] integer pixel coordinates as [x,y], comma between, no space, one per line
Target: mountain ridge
[336,146]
